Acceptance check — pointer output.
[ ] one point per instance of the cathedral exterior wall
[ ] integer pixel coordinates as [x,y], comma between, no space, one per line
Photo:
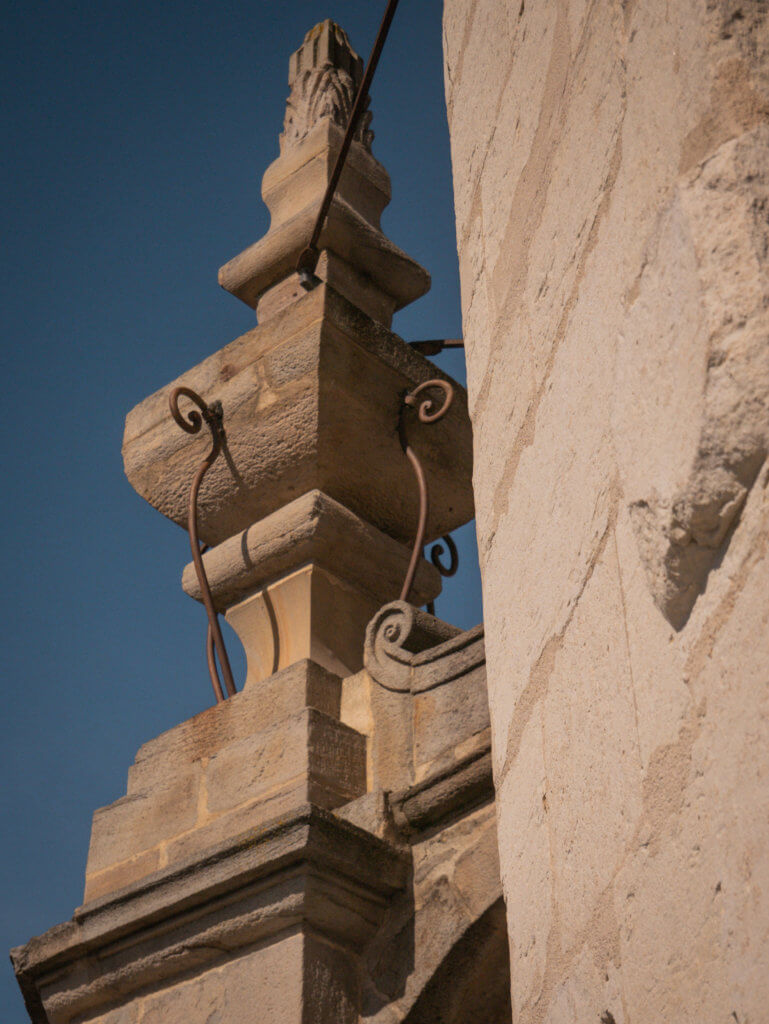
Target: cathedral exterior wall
[611,169]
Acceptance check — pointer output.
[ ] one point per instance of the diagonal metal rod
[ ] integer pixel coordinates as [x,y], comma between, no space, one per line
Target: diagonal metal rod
[308,260]
[434,346]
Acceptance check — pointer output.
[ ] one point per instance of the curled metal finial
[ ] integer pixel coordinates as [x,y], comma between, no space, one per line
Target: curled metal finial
[211,415]
[445,570]
[428,412]
[435,556]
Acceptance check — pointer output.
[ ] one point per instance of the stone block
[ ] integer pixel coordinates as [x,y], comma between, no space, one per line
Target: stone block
[294,979]
[99,882]
[259,754]
[243,819]
[311,746]
[309,614]
[293,188]
[136,823]
[448,715]
[265,984]
[310,402]
[476,871]
[303,684]
[129,1014]
[314,529]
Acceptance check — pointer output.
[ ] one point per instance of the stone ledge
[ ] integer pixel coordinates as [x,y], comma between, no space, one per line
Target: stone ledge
[307,757]
[347,234]
[313,528]
[304,684]
[308,867]
[447,793]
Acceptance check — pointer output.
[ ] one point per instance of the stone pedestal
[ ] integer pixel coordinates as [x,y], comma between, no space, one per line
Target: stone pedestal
[264,864]
[305,581]
[312,508]
[265,926]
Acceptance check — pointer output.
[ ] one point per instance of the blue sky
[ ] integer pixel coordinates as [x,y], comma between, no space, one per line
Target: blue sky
[135,138]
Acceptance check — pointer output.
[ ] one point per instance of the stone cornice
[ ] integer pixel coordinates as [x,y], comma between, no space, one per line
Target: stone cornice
[451,791]
[311,867]
[314,528]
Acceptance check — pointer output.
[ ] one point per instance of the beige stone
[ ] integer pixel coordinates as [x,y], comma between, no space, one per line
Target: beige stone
[137,823]
[318,847]
[611,191]
[327,571]
[268,979]
[360,262]
[310,402]
[231,769]
[387,910]
[283,695]
[309,614]
[329,756]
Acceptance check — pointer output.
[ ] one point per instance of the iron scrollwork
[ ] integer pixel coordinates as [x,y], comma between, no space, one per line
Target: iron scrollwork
[192,423]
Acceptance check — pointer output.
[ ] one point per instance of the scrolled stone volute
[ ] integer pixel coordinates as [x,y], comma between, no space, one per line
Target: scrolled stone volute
[396,634]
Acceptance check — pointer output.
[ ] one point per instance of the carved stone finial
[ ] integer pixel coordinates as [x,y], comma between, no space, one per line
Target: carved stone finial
[324,76]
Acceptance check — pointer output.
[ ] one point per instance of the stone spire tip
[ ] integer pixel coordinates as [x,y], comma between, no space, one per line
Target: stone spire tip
[324,75]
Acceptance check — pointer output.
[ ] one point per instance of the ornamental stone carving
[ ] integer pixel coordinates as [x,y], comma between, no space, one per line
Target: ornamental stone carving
[324,75]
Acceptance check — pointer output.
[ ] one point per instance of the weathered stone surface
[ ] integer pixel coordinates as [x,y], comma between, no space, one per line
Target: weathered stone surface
[310,402]
[327,573]
[304,684]
[312,529]
[308,871]
[611,194]
[432,923]
[408,649]
[324,75]
[136,823]
[309,614]
[331,756]
[235,767]
[372,913]
[267,981]
[683,525]
[360,262]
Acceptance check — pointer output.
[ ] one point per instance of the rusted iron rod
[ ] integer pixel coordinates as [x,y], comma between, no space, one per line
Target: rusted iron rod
[212,416]
[308,260]
[436,345]
[427,413]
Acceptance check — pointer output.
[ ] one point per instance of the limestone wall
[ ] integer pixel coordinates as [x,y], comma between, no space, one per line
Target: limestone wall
[611,167]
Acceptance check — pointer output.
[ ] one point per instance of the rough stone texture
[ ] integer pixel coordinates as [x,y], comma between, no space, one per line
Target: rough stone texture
[313,529]
[310,401]
[309,614]
[233,767]
[306,872]
[304,583]
[221,887]
[361,262]
[324,76]
[387,911]
[611,168]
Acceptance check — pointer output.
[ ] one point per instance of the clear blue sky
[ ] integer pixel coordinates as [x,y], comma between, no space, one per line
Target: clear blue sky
[134,137]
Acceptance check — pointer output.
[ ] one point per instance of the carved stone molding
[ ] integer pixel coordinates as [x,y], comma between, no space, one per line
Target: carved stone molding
[309,867]
[325,74]
[452,790]
[409,650]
